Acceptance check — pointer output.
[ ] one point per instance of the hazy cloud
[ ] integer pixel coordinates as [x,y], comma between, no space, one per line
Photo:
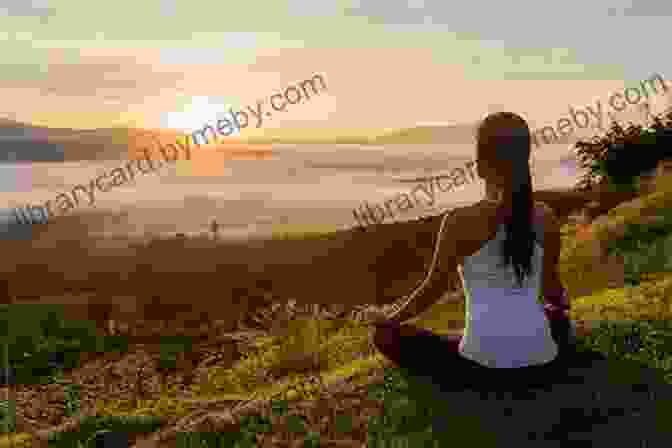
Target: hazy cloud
[26,8]
[649,9]
[483,14]
[110,78]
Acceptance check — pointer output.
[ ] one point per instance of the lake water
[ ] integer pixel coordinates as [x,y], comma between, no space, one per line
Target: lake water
[301,186]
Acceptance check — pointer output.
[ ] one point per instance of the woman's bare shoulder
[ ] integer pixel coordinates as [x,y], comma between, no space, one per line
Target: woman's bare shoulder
[479,218]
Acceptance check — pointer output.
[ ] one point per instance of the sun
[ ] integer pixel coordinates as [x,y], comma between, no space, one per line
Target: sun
[201,110]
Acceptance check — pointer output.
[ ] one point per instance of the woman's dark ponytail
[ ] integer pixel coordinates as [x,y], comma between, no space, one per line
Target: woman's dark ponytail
[505,138]
[518,247]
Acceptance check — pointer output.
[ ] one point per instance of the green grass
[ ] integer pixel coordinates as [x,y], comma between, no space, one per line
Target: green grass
[84,437]
[31,332]
[34,332]
[645,247]
[654,257]
[636,352]
[7,416]
[92,425]
[250,427]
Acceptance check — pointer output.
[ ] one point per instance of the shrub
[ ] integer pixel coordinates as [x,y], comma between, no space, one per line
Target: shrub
[624,153]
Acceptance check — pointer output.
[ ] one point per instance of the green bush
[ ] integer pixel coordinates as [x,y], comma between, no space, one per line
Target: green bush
[624,153]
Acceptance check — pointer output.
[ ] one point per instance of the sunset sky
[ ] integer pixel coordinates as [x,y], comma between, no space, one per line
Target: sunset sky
[387,64]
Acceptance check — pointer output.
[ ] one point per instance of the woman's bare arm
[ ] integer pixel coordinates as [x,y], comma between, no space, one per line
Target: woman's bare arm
[466,230]
[554,292]
[555,295]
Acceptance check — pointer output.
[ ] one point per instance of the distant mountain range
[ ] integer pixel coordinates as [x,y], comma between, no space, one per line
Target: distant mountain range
[32,143]
[452,134]
[21,142]
[459,133]
[29,143]
[312,136]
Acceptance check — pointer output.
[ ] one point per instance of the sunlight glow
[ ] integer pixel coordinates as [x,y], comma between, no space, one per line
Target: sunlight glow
[201,111]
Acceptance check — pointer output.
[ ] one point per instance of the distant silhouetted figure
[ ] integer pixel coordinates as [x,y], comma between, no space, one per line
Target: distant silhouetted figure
[214,228]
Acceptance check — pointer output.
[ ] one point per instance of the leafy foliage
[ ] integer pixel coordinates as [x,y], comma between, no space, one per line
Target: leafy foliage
[624,153]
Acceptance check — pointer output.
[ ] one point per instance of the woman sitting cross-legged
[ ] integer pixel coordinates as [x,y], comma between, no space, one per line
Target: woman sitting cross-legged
[505,248]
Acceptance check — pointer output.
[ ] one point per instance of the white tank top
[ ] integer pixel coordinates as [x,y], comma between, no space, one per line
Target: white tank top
[505,326]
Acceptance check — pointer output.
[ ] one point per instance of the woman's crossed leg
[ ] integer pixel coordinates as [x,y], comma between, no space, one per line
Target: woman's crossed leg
[427,354]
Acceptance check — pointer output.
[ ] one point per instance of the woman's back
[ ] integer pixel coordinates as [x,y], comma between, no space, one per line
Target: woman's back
[505,325]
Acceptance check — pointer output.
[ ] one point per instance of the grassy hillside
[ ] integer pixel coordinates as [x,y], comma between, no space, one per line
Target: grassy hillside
[317,364]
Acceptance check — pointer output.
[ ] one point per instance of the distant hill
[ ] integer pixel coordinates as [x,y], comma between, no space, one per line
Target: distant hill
[30,143]
[33,143]
[309,140]
[452,134]
[460,133]
[313,136]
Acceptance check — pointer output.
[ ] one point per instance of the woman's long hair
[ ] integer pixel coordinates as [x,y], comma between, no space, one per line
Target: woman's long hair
[505,138]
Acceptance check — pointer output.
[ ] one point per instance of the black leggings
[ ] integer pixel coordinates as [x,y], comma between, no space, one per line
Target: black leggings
[437,357]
